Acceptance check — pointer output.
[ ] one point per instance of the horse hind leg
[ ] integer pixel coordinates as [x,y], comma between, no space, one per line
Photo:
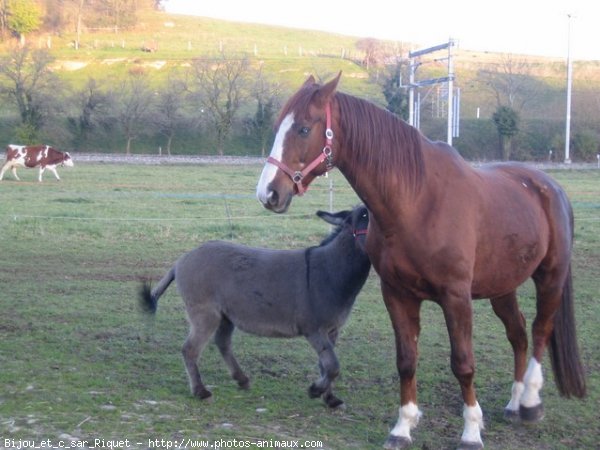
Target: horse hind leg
[201,330]
[555,324]
[223,342]
[507,309]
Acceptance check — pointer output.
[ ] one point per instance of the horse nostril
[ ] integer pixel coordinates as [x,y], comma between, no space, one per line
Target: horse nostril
[272,198]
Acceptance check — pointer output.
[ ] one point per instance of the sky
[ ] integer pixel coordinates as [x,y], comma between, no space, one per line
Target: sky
[531,27]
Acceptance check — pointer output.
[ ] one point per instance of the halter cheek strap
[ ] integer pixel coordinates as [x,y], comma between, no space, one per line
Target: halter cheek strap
[360,232]
[326,155]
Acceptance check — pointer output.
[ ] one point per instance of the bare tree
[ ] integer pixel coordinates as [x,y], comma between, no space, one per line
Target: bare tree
[27,81]
[93,104]
[266,94]
[220,87]
[133,100]
[513,86]
[167,112]
[511,81]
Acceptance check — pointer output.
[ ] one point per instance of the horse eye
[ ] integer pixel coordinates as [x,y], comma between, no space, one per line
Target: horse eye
[304,131]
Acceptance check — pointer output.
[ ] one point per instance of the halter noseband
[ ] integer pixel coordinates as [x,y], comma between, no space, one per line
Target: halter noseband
[326,155]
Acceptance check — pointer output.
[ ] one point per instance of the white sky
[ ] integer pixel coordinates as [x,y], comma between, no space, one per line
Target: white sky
[534,27]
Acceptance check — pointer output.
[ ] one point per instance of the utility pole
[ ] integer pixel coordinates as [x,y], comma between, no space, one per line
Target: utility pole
[569,86]
[450,96]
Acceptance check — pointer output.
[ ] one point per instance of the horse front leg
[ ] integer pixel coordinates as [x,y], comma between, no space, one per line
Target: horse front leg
[458,313]
[328,366]
[404,313]
[507,309]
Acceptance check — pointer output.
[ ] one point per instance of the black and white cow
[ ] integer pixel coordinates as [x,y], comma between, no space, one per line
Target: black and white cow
[32,156]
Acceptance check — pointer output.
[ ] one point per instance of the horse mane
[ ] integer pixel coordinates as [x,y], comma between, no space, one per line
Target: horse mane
[376,140]
[380,142]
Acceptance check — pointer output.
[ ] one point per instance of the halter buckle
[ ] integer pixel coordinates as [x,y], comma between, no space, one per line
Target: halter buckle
[297,178]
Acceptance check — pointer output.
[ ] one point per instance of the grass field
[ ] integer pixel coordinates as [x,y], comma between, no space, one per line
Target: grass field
[78,361]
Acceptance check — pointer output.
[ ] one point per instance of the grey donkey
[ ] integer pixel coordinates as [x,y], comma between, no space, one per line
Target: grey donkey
[273,293]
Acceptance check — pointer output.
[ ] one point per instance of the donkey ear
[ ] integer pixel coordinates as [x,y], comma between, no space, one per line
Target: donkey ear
[333,218]
[309,81]
[326,92]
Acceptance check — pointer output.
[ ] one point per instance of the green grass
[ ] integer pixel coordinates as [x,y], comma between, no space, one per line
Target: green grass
[78,359]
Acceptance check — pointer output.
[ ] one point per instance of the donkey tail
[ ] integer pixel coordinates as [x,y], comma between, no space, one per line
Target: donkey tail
[569,373]
[148,297]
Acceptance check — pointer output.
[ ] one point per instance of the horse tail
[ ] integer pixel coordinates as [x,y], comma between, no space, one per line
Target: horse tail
[564,352]
[149,297]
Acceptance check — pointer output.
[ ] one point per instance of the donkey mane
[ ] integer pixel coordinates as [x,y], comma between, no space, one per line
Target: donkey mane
[377,140]
[309,251]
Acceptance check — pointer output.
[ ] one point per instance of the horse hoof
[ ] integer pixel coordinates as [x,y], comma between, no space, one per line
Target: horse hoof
[314,391]
[396,442]
[470,445]
[512,415]
[531,415]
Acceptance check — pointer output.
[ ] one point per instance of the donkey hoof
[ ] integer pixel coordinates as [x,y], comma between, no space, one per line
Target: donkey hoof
[531,414]
[511,415]
[203,394]
[244,383]
[470,445]
[315,391]
[333,402]
[396,442]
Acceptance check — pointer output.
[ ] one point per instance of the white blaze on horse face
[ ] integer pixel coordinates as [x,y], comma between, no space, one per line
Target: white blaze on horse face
[270,170]
[473,424]
[534,380]
[408,418]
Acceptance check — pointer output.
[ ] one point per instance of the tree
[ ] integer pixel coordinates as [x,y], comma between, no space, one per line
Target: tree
[261,124]
[220,86]
[395,94]
[506,120]
[27,82]
[168,109]
[511,82]
[133,100]
[93,105]
[24,16]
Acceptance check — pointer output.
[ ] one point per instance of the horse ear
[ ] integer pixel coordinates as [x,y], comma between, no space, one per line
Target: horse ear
[326,92]
[333,218]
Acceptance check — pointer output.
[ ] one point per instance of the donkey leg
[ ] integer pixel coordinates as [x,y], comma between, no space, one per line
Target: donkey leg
[507,309]
[459,321]
[223,342]
[328,364]
[202,327]
[404,312]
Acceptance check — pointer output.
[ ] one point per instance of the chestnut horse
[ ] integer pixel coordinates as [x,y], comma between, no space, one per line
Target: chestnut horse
[444,231]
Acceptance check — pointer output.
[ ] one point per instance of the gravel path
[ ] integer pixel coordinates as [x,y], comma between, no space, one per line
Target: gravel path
[114,158]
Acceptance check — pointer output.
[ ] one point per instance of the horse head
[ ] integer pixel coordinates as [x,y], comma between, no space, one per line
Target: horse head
[303,147]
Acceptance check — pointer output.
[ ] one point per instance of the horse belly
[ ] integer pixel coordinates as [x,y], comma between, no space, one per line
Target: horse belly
[513,261]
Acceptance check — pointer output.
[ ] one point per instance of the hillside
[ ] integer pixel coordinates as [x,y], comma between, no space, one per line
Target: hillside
[289,55]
